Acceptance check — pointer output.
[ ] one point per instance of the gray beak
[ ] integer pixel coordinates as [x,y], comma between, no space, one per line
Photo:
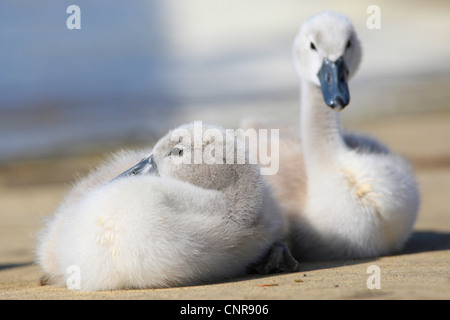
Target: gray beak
[145,166]
[333,81]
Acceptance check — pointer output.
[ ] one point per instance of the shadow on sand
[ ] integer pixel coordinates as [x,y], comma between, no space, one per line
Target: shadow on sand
[7,266]
[424,241]
[420,241]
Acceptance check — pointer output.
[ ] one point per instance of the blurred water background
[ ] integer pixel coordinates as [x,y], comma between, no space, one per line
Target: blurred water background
[138,68]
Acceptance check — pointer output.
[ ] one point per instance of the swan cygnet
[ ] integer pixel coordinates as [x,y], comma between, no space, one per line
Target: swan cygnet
[346,195]
[166,221]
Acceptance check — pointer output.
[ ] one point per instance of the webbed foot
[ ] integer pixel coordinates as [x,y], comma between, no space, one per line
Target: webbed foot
[278,259]
[44,279]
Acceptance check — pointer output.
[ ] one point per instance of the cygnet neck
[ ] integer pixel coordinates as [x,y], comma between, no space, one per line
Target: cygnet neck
[321,132]
[244,196]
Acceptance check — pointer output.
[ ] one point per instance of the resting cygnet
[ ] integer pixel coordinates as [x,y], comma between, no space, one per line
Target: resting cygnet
[167,221]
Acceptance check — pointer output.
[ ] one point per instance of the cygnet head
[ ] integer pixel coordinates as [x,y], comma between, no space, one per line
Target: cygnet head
[327,52]
[196,153]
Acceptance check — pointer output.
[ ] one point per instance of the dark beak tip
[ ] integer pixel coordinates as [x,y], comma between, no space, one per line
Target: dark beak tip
[338,103]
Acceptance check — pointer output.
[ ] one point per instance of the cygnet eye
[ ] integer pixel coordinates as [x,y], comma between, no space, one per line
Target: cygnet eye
[349,44]
[312,46]
[177,152]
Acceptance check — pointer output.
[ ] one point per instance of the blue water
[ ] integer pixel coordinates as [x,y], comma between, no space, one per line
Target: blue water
[61,86]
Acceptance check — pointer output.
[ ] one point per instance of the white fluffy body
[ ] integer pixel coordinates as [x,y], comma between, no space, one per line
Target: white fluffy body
[160,231]
[363,205]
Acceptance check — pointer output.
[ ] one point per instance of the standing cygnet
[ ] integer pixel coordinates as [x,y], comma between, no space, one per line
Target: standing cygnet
[169,220]
[346,195]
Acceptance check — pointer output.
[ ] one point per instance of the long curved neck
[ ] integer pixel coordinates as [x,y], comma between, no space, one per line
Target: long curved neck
[320,130]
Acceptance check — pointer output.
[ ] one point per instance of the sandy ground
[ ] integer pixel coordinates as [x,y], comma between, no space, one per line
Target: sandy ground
[30,191]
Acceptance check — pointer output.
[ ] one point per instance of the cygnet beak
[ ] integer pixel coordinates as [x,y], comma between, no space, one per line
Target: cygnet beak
[145,166]
[333,81]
